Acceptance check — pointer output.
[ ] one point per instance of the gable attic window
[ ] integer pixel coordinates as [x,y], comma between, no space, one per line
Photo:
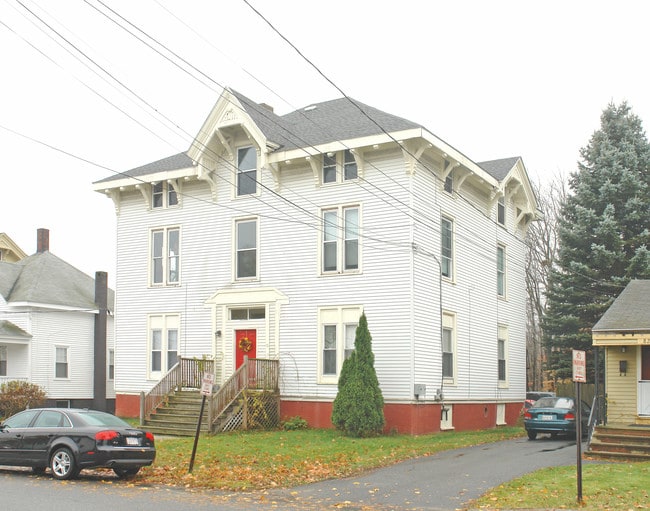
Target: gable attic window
[501,210]
[339,167]
[246,171]
[449,183]
[163,195]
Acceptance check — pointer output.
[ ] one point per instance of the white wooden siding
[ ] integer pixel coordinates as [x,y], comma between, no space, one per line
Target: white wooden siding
[399,284]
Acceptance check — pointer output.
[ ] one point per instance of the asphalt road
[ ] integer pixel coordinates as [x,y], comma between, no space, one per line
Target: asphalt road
[445,481]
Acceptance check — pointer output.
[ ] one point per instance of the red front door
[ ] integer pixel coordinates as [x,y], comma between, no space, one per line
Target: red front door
[245,345]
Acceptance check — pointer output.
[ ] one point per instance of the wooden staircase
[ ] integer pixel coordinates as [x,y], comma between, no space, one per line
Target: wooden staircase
[248,399]
[178,415]
[619,442]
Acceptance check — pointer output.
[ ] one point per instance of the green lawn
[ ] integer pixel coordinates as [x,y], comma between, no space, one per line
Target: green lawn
[623,486]
[258,460]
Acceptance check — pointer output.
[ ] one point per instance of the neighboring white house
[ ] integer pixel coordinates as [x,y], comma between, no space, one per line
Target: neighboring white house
[283,229]
[54,330]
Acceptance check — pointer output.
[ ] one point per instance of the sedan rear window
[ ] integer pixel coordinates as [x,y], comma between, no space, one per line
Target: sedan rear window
[92,418]
[554,402]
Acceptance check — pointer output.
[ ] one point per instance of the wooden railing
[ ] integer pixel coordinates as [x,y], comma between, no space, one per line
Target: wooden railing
[254,373]
[186,373]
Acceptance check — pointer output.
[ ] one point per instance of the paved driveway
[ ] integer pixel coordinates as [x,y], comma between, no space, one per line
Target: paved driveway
[444,481]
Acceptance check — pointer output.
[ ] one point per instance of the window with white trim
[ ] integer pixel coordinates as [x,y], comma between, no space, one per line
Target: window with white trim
[449,183]
[246,171]
[449,347]
[246,257]
[447,247]
[501,210]
[61,364]
[339,167]
[502,354]
[111,364]
[163,343]
[501,270]
[165,258]
[340,240]
[163,195]
[3,361]
[336,333]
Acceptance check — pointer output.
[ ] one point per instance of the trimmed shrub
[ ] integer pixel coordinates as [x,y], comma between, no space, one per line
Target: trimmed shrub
[294,423]
[358,409]
[16,396]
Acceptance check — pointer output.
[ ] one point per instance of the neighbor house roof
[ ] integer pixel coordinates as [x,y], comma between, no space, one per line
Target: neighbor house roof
[45,279]
[630,311]
[319,123]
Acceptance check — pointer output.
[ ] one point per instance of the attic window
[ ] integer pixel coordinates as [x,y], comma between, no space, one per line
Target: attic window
[501,211]
[338,167]
[163,195]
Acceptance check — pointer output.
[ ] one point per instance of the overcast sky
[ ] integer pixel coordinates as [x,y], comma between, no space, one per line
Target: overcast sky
[492,78]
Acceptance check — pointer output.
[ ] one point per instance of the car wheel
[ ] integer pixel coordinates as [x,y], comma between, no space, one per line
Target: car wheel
[553,435]
[532,435]
[126,472]
[62,464]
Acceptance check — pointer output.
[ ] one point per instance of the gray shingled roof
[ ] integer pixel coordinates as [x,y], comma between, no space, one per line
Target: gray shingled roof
[499,169]
[8,329]
[46,279]
[319,123]
[630,311]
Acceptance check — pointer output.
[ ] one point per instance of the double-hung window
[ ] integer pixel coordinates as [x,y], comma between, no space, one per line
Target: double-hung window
[447,247]
[337,331]
[501,270]
[3,361]
[61,363]
[502,350]
[246,258]
[246,171]
[111,364]
[448,347]
[163,195]
[338,167]
[340,240]
[163,343]
[165,256]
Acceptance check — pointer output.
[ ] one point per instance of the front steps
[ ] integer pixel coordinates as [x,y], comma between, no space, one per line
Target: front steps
[622,443]
[179,415]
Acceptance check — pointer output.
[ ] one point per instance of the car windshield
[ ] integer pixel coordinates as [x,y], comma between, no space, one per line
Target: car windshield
[554,402]
[92,418]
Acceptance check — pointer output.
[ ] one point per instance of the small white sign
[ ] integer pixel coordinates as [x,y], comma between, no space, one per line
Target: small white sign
[206,384]
[579,366]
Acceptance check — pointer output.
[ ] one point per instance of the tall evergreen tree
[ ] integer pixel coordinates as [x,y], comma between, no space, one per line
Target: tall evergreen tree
[604,234]
[358,409]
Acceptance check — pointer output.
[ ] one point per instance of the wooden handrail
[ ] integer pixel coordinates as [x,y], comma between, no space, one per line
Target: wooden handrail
[186,373]
[254,373]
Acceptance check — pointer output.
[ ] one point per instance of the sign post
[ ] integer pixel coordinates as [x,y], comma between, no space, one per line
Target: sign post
[579,377]
[206,390]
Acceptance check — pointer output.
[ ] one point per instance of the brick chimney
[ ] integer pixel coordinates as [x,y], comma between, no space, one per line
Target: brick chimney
[42,240]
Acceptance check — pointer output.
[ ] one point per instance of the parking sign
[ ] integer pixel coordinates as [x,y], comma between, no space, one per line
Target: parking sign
[579,366]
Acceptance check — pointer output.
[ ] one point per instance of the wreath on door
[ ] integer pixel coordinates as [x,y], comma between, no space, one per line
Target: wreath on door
[245,344]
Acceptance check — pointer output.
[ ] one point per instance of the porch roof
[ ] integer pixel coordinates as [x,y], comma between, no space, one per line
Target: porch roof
[630,312]
[12,333]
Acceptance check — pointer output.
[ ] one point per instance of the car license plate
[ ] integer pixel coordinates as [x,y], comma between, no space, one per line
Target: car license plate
[547,417]
[132,440]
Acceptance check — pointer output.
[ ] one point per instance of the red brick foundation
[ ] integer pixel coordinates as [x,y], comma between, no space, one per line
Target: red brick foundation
[410,419]
[127,405]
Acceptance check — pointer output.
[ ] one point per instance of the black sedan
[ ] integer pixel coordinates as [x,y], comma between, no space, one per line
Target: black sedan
[68,440]
[555,415]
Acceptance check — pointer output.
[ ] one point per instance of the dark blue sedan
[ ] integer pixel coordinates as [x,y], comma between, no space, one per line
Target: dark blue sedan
[555,415]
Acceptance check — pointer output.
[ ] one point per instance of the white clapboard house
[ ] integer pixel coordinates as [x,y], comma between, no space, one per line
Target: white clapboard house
[56,329]
[271,235]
